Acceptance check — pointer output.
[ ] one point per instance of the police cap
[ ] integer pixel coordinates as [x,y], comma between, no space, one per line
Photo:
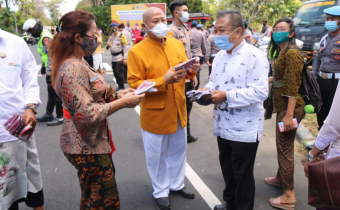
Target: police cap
[113,24]
[194,23]
[334,11]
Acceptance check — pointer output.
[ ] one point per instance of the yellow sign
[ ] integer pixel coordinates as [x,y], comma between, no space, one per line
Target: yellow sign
[132,14]
[319,4]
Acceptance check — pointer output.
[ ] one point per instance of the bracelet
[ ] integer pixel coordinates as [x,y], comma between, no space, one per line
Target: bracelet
[116,95]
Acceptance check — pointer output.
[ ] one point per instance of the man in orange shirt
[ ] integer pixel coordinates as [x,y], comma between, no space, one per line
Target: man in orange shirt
[163,113]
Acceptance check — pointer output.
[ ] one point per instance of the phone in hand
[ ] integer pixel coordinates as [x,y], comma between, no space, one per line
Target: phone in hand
[282,126]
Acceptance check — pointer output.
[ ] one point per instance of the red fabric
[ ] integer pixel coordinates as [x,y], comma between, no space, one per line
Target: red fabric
[112,144]
[67,114]
[139,39]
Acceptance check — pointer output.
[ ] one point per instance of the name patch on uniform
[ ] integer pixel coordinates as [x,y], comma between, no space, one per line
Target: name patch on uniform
[93,79]
[337,57]
[14,64]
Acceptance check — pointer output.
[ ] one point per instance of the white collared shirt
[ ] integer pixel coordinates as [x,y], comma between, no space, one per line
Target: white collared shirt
[18,80]
[244,76]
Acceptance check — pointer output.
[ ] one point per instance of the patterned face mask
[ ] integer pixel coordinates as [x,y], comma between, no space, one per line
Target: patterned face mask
[89,46]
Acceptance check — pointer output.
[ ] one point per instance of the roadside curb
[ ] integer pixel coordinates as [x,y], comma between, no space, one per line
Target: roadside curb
[304,136]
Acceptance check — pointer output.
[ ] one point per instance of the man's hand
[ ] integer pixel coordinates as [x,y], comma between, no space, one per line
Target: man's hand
[125,62]
[194,68]
[209,64]
[43,75]
[270,79]
[29,117]
[121,93]
[108,45]
[195,82]
[218,96]
[174,76]
[203,89]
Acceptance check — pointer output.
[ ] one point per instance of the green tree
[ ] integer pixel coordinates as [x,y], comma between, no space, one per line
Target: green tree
[53,6]
[7,22]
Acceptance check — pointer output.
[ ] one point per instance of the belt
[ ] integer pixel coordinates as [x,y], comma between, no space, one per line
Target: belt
[329,75]
[118,53]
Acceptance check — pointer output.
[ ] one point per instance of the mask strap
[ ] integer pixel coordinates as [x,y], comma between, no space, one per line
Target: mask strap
[147,26]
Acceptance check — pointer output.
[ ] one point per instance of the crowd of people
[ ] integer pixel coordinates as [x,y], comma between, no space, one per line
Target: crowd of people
[239,78]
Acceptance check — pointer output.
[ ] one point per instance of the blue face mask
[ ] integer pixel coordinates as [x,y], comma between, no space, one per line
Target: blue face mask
[223,42]
[331,25]
[281,37]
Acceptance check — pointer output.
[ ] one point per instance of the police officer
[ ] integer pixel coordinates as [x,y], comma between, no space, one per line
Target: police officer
[119,48]
[198,46]
[128,36]
[180,31]
[212,51]
[327,65]
[37,31]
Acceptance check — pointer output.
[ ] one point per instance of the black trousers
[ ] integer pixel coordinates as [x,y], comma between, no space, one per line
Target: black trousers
[89,60]
[237,164]
[327,89]
[118,72]
[54,100]
[31,200]
[211,59]
[188,86]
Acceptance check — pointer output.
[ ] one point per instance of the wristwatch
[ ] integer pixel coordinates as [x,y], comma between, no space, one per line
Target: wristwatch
[310,156]
[116,95]
[33,107]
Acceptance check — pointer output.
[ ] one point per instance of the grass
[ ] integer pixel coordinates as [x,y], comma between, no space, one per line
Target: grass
[311,124]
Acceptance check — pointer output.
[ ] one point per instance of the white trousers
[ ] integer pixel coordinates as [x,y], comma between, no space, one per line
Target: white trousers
[21,172]
[166,160]
[97,61]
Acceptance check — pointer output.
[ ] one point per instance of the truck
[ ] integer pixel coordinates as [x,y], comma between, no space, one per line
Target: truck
[309,23]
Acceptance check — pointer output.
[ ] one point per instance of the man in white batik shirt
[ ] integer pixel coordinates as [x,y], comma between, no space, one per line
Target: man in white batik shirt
[239,84]
[20,175]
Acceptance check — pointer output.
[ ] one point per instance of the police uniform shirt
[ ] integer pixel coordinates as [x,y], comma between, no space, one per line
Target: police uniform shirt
[198,43]
[212,49]
[118,44]
[328,57]
[182,34]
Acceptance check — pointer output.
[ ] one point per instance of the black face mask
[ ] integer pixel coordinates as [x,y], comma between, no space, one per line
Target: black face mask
[114,30]
[37,29]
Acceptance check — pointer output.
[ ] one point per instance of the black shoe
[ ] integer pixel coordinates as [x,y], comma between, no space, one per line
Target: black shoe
[45,118]
[163,203]
[56,121]
[185,193]
[191,138]
[221,207]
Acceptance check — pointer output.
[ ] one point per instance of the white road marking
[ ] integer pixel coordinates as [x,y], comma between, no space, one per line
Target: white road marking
[107,67]
[209,197]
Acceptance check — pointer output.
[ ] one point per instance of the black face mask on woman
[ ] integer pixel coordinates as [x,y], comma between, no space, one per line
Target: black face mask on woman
[89,46]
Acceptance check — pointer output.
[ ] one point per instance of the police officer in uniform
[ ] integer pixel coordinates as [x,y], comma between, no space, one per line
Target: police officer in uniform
[37,31]
[128,36]
[180,31]
[198,46]
[212,51]
[327,65]
[119,48]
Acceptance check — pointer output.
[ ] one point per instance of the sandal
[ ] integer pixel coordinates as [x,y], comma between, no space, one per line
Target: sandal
[269,181]
[276,202]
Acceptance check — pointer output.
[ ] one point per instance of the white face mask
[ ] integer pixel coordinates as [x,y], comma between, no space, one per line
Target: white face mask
[185,17]
[160,30]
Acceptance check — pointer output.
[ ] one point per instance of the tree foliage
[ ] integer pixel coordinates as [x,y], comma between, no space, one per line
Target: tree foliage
[53,6]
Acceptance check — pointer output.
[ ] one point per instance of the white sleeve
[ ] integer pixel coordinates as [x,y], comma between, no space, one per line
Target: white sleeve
[29,76]
[330,130]
[256,82]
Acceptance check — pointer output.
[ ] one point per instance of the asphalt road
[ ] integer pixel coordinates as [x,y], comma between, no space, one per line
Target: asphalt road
[61,186]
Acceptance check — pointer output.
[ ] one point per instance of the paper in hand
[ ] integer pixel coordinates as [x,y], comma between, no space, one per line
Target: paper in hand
[146,86]
[16,127]
[187,65]
[198,94]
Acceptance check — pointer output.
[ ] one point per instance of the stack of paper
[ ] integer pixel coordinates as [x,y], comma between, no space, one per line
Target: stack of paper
[198,94]
[146,86]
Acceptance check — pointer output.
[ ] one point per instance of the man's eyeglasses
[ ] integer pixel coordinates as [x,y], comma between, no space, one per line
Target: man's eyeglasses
[91,37]
[274,30]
